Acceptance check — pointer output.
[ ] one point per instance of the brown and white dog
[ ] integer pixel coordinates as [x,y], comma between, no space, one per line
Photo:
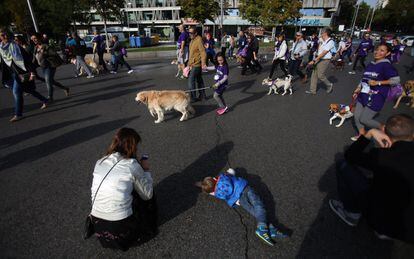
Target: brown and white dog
[408,91]
[340,111]
[160,101]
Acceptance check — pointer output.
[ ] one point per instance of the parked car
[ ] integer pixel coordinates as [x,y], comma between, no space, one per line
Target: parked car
[408,41]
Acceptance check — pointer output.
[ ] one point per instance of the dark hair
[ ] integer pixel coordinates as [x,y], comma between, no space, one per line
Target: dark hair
[6,32]
[125,142]
[208,185]
[328,31]
[115,37]
[37,36]
[281,35]
[389,49]
[400,127]
[21,39]
[219,54]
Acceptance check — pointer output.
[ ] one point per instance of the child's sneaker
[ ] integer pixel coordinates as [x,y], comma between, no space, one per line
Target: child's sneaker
[276,233]
[263,232]
[222,110]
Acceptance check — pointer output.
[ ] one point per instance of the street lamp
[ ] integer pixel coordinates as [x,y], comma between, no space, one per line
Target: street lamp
[129,31]
[33,15]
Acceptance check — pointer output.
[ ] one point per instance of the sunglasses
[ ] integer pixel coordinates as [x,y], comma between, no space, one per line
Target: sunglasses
[192,33]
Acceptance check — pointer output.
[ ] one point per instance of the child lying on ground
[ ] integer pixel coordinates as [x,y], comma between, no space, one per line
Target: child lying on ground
[236,191]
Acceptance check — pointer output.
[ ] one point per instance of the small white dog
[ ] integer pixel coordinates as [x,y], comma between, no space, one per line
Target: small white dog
[340,111]
[160,101]
[279,83]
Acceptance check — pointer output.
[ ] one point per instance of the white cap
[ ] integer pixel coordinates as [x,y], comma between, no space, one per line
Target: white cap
[231,171]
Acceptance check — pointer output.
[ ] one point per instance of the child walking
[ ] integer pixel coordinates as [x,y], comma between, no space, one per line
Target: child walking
[221,82]
[236,191]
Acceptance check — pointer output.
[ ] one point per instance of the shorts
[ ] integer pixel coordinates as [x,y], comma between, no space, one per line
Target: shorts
[181,59]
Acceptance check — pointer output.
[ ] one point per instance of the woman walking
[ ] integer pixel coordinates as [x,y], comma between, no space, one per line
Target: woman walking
[118,56]
[280,56]
[372,92]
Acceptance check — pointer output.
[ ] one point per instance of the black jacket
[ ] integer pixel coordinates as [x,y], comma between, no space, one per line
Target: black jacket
[391,194]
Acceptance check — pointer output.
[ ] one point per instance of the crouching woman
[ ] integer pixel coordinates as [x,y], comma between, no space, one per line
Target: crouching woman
[124,210]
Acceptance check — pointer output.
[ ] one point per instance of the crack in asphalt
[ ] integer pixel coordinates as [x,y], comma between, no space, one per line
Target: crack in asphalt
[219,133]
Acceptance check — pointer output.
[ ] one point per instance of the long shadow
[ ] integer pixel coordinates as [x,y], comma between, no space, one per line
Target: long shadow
[9,112]
[253,96]
[329,237]
[177,192]
[64,141]
[266,195]
[12,140]
[238,85]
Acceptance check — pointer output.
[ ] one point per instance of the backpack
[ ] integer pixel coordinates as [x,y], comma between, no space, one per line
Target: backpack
[124,51]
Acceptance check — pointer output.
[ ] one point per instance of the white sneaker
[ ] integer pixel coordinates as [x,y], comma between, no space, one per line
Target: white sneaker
[350,64]
[130,71]
[91,76]
[352,72]
[112,72]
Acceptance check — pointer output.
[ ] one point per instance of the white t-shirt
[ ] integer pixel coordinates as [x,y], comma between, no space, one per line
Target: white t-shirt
[326,46]
[342,45]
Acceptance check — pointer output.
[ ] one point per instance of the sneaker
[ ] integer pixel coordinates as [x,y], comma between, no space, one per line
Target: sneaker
[112,72]
[309,92]
[16,118]
[91,76]
[44,106]
[352,72]
[383,237]
[349,218]
[355,138]
[67,90]
[350,64]
[329,89]
[263,233]
[130,71]
[222,111]
[276,233]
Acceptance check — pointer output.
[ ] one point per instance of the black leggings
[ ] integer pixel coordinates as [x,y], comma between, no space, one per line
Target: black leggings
[361,60]
[282,64]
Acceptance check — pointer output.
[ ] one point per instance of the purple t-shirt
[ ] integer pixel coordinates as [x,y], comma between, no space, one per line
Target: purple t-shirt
[374,96]
[315,44]
[182,38]
[100,42]
[221,71]
[364,47]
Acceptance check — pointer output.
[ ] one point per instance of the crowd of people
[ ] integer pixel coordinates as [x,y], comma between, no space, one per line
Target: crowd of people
[124,207]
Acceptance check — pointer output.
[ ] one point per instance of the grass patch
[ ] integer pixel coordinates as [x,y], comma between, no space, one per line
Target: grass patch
[153,48]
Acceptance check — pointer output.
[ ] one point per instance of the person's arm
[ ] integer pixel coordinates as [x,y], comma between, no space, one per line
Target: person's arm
[222,81]
[143,182]
[355,154]
[202,54]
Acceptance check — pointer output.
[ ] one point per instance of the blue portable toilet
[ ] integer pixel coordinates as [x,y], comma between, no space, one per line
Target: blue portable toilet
[139,42]
[132,43]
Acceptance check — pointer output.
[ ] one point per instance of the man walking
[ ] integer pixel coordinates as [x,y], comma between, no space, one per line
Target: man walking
[99,47]
[80,51]
[361,52]
[299,50]
[196,62]
[321,63]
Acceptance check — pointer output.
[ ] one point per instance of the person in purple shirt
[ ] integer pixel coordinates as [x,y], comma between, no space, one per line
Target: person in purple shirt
[361,52]
[397,51]
[221,82]
[182,51]
[314,46]
[372,92]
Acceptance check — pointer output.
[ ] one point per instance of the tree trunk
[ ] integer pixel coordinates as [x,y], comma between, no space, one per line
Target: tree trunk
[106,32]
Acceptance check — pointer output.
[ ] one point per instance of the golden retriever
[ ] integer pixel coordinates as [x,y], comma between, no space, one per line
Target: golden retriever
[407,92]
[160,101]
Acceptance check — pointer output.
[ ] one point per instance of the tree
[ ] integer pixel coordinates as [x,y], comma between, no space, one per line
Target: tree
[346,12]
[200,10]
[270,12]
[397,15]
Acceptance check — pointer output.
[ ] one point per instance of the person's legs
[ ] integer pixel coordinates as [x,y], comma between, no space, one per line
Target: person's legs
[81,62]
[200,84]
[101,60]
[362,60]
[219,99]
[122,61]
[192,83]
[314,80]
[357,57]
[291,67]
[252,203]
[272,69]
[297,68]
[357,117]
[322,68]
[18,97]
[367,118]
[283,67]
[223,51]
[352,187]
[56,83]
[47,75]
[37,95]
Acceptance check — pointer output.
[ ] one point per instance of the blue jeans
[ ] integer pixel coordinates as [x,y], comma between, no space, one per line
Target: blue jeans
[353,187]
[18,95]
[80,62]
[251,202]
[196,75]
[120,60]
[49,74]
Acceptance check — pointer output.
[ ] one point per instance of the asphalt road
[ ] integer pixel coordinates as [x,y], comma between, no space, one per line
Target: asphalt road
[283,145]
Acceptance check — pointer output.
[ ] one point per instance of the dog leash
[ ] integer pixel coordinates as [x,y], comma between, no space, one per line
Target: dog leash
[198,89]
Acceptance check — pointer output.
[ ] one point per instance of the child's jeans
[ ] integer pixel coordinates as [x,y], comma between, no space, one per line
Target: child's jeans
[251,202]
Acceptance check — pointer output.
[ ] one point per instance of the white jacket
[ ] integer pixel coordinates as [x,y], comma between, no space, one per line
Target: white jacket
[113,200]
[281,54]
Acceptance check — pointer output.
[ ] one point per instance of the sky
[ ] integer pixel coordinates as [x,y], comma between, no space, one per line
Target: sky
[370,2]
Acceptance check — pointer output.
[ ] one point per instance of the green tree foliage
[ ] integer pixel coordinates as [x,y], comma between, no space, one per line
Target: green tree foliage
[398,15]
[200,10]
[270,12]
[346,12]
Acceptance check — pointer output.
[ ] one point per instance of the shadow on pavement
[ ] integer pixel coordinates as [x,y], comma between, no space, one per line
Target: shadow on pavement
[329,237]
[64,141]
[12,140]
[177,193]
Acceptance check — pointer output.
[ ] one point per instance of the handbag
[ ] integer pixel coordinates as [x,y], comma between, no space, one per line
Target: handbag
[89,230]
[394,92]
